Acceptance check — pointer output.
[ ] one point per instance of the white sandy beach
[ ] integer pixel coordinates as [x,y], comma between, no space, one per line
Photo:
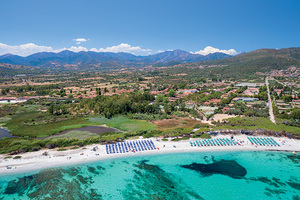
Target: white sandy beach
[35,160]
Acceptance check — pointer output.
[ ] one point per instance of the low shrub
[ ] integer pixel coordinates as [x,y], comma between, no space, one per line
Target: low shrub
[62,149]
[17,157]
[178,139]
[197,125]
[205,136]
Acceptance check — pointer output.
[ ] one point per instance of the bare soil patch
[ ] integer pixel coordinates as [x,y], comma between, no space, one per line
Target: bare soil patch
[175,122]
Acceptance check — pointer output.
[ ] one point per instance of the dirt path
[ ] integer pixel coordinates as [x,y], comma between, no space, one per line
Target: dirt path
[204,118]
[272,118]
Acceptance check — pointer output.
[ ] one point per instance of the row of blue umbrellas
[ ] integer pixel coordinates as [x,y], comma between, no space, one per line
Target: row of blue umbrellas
[263,141]
[124,147]
[213,142]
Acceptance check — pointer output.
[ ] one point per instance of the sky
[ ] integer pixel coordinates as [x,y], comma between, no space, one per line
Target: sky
[147,27]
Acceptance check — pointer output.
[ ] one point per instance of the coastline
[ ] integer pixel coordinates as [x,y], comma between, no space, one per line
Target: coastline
[33,161]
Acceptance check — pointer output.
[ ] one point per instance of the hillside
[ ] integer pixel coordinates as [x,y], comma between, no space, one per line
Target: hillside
[9,69]
[261,60]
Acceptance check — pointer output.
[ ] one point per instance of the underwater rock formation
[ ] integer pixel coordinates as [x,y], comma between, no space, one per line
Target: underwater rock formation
[225,167]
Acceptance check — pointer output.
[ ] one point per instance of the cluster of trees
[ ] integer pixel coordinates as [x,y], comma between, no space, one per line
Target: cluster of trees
[292,118]
[242,89]
[5,91]
[202,97]
[257,110]
[58,109]
[60,93]
[110,106]
[39,89]
[285,94]
[262,93]
[98,91]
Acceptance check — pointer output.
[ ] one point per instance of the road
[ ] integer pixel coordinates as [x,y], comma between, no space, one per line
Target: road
[272,118]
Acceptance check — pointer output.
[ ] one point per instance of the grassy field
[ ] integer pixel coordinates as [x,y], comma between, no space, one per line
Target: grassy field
[34,127]
[16,127]
[84,135]
[80,135]
[175,122]
[124,123]
[4,119]
[254,123]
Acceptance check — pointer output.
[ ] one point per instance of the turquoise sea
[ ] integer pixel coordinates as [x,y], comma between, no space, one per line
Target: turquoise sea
[207,175]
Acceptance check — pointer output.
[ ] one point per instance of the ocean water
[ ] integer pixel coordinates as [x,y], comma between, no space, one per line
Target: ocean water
[207,175]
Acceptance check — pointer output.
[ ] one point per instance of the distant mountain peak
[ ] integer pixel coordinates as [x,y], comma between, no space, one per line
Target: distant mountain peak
[7,55]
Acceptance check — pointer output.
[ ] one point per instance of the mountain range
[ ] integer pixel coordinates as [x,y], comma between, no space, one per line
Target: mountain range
[243,65]
[104,59]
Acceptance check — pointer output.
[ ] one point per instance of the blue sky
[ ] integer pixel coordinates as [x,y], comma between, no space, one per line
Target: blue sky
[144,27]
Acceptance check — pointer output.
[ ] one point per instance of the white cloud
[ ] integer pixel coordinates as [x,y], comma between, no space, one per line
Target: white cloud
[31,48]
[72,48]
[207,50]
[79,40]
[122,48]
[23,49]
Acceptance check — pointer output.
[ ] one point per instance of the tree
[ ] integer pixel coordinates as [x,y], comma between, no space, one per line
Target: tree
[171,93]
[182,107]
[98,91]
[296,114]
[105,90]
[287,99]
[63,94]
[167,109]
[160,98]
[51,109]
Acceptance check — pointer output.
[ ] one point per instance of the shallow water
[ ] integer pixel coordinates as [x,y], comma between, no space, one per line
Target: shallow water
[207,175]
[5,133]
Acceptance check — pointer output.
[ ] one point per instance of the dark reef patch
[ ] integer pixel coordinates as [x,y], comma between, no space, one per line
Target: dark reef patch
[296,197]
[152,182]
[275,191]
[294,185]
[126,162]
[294,158]
[277,180]
[268,194]
[92,170]
[225,167]
[100,168]
[82,179]
[274,182]
[53,184]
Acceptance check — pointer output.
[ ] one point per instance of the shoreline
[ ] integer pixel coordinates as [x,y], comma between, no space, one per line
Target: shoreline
[35,161]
